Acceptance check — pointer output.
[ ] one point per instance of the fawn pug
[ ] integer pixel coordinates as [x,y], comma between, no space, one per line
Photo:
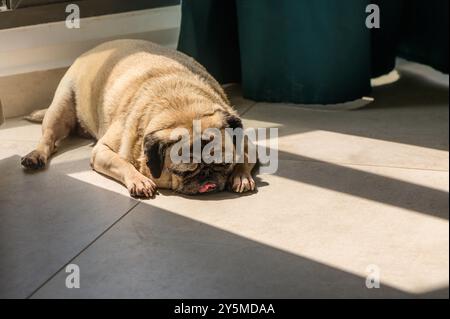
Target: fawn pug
[130,95]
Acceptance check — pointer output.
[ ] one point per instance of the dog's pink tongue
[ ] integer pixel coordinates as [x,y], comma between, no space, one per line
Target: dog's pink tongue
[206,187]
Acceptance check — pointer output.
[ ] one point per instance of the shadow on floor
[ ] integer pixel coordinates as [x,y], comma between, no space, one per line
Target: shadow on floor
[367,185]
[45,220]
[126,249]
[412,111]
[153,253]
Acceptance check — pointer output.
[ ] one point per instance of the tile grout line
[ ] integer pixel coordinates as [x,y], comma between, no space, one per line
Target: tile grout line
[82,250]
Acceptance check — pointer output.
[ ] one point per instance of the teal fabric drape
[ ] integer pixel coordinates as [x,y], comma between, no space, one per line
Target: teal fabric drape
[305,51]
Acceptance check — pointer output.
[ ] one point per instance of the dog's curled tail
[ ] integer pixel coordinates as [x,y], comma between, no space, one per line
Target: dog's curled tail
[36,116]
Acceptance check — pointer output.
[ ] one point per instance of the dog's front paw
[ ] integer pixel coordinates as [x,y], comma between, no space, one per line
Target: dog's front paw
[242,182]
[140,186]
[34,160]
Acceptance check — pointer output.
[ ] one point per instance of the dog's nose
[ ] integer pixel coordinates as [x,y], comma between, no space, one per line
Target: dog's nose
[203,175]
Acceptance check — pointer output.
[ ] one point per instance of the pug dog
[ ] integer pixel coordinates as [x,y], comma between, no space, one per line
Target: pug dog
[130,95]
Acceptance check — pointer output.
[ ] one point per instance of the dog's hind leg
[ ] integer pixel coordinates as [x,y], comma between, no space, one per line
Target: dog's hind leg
[59,121]
[36,116]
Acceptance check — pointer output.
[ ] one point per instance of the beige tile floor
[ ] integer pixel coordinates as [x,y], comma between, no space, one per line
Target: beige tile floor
[353,189]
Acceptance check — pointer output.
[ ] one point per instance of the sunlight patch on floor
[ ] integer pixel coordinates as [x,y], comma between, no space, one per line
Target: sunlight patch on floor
[340,230]
[350,149]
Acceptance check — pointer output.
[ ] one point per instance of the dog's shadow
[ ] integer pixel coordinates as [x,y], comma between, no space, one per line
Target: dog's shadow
[223,195]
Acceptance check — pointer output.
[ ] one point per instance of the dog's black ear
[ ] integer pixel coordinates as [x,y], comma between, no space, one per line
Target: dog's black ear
[233,121]
[155,150]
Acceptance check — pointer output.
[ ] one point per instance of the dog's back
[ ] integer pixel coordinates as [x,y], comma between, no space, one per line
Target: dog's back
[105,80]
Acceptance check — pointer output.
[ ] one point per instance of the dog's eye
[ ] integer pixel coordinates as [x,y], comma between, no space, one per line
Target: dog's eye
[184,169]
[221,166]
[180,173]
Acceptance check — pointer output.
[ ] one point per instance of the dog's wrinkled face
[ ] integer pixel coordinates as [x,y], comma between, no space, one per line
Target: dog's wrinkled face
[187,178]
[199,178]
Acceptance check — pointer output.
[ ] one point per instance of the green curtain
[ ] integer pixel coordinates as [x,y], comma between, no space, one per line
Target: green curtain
[311,51]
